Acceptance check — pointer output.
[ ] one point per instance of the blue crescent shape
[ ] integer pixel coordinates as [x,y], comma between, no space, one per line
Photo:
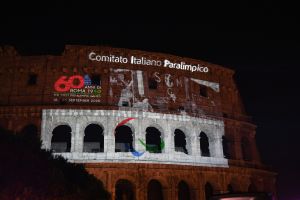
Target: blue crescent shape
[137,154]
[134,152]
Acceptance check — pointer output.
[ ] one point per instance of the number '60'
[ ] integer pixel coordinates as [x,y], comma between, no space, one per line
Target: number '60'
[64,84]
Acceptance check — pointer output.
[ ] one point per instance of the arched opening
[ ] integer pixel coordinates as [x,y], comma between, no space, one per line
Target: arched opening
[252,188]
[30,131]
[93,139]
[183,191]
[61,139]
[123,139]
[246,149]
[180,141]
[225,144]
[230,188]
[204,145]
[154,141]
[209,191]
[155,191]
[124,190]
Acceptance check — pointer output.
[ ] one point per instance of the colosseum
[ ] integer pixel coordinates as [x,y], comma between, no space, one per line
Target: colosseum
[147,125]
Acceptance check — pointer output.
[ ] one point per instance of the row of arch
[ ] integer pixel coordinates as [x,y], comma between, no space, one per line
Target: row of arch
[124,189]
[93,141]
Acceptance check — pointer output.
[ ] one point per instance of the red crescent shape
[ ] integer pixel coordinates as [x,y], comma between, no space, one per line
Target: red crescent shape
[124,121]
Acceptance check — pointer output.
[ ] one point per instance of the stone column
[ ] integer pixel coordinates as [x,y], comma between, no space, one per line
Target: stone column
[195,142]
[109,140]
[169,139]
[45,136]
[217,148]
[73,137]
[78,138]
[140,133]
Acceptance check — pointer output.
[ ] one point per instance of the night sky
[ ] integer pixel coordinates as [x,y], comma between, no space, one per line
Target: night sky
[260,41]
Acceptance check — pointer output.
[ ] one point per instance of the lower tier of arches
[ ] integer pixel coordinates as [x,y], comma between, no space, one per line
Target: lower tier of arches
[178,182]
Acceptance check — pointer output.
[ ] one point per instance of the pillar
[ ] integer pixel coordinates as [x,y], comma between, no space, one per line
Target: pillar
[140,133]
[109,137]
[169,138]
[78,138]
[195,142]
[74,136]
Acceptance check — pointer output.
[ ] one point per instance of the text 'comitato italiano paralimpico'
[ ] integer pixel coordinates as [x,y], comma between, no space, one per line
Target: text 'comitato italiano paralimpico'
[144,61]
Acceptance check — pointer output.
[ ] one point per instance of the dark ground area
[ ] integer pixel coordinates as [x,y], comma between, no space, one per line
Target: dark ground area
[27,172]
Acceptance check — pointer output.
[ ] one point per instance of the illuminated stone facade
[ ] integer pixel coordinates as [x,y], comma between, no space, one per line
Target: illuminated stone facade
[78,88]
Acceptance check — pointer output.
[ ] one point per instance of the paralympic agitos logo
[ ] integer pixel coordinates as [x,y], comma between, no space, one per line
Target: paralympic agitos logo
[149,148]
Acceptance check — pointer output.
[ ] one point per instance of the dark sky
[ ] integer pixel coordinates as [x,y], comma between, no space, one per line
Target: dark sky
[259,40]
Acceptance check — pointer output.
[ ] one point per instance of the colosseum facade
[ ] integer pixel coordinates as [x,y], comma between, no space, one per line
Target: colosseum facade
[147,125]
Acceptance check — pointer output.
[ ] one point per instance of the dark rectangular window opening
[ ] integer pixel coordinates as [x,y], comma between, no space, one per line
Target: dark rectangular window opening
[152,84]
[96,79]
[125,103]
[203,91]
[32,79]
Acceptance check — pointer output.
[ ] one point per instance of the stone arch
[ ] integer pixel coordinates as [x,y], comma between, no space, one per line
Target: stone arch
[155,190]
[189,179]
[183,128]
[125,189]
[124,139]
[132,126]
[226,147]
[59,123]
[161,179]
[154,140]
[93,140]
[181,143]
[85,123]
[204,144]
[188,137]
[184,190]
[128,177]
[61,138]
[208,190]
[214,182]
[155,125]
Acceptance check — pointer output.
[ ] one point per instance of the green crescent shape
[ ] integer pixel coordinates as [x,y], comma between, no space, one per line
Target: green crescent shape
[153,149]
